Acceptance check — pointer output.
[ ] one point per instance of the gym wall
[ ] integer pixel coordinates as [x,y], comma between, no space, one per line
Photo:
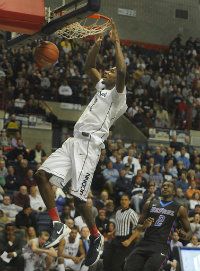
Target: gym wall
[154,21]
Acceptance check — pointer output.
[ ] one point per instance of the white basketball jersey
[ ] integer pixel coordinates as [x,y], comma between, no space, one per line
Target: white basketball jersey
[103,110]
[72,248]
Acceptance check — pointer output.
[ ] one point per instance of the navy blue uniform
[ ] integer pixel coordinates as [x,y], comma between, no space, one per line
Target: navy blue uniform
[152,250]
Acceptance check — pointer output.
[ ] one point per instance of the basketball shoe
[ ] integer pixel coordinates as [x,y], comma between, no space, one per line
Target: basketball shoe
[95,250]
[59,231]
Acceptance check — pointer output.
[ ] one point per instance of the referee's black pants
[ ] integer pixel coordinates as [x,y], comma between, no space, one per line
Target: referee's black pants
[147,256]
[115,253]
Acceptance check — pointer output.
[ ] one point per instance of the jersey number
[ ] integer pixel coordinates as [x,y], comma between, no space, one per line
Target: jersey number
[159,221]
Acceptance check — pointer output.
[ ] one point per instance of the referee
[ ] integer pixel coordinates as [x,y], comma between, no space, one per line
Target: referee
[125,222]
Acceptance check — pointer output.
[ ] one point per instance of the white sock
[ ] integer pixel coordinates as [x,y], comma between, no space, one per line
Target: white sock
[61,267]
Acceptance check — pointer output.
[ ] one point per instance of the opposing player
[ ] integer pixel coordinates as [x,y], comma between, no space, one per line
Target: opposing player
[158,219]
[76,160]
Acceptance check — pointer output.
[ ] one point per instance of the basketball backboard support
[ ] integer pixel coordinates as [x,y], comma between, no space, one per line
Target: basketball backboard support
[72,11]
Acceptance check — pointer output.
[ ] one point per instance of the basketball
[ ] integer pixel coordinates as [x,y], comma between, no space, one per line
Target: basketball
[46,54]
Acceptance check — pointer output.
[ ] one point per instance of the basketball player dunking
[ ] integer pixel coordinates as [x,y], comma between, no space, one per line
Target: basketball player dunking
[76,160]
[158,219]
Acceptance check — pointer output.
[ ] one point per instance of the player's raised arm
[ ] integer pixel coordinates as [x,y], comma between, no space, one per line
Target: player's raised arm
[186,233]
[120,62]
[90,65]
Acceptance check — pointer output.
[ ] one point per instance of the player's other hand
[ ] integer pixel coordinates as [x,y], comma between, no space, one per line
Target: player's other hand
[114,36]
[148,222]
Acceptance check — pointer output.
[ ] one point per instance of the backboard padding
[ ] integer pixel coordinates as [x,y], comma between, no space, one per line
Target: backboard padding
[74,11]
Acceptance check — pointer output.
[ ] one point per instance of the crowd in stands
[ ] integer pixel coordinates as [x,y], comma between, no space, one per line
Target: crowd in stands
[163,91]
[122,169]
[163,86]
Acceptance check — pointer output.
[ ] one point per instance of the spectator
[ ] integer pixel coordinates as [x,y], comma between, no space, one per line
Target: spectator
[1,193]
[145,175]
[118,164]
[158,158]
[12,125]
[193,242]
[85,234]
[110,209]
[175,241]
[65,92]
[101,202]
[132,111]
[123,184]
[4,219]
[12,243]
[182,182]
[163,117]
[20,103]
[134,161]
[195,226]
[195,211]
[176,145]
[179,198]
[156,176]
[150,193]
[169,156]
[21,197]
[19,149]
[195,200]
[3,173]
[94,209]
[110,235]
[192,190]
[29,179]
[30,233]
[11,210]
[4,140]
[38,154]
[36,201]
[171,168]
[184,159]
[21,169]
[102,221]
[65,213]
[110,175]
[26,218]
[45,83]
[12,183]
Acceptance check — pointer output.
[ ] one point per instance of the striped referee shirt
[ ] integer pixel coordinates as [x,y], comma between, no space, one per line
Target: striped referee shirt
[126,221]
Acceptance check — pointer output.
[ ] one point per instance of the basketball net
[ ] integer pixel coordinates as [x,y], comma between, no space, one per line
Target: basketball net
[90,26]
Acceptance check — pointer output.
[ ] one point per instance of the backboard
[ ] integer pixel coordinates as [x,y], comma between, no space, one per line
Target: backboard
[72,11]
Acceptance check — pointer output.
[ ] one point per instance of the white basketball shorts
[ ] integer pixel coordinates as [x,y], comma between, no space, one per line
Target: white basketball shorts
[76,160]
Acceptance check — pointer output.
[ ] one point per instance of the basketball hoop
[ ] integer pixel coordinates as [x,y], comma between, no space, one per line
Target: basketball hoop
[90,26]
